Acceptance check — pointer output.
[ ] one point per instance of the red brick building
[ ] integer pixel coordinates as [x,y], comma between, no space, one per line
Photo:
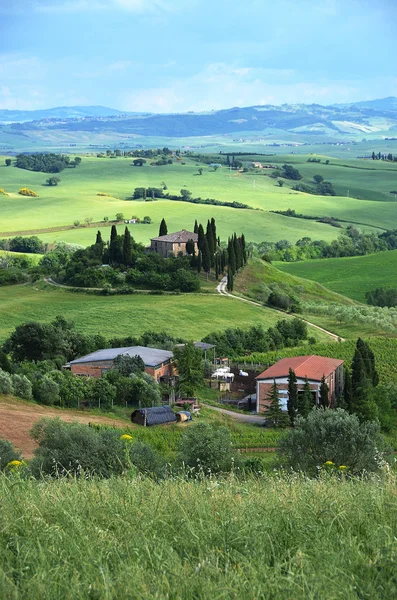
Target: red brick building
[312,368]
[158,363]
[173,242]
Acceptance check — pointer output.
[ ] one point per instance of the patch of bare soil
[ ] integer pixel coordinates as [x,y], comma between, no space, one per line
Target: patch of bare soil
[18,417]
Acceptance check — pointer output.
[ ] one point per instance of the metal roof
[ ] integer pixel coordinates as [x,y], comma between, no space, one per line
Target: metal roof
[150,356]
[313,367]
[180,236]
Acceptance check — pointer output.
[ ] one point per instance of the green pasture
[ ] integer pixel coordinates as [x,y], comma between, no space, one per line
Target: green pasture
[276,536]
[190,316]
[351,276]
[75,198]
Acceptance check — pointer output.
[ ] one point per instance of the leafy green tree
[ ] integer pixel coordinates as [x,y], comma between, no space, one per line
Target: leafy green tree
[200,171]
[145,390]
[46,391]
[323,400]
[275,416]
[206,449]
[8,162]
[22,387]
[292,402]
[5,383]
[119,217]
[52,181]
[163,228]
[206,257]
[186,194]
[189,362]
[333,435]
[102,393]
[34,341]
[126,365]
[318,178]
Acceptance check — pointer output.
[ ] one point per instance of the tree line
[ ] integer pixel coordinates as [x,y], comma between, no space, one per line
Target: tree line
[46,163]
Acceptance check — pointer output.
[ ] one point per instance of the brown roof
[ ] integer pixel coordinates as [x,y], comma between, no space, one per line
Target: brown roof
[180,236]
[313,367]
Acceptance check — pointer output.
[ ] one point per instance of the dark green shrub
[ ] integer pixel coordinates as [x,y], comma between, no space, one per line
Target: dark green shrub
[146,460]
[206,449]
[73,448]
[335,436]
[7,453]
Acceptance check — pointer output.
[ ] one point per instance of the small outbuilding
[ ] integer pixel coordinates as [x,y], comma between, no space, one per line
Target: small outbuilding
[156,415]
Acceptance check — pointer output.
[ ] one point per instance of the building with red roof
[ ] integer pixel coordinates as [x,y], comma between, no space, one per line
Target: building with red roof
[311,368]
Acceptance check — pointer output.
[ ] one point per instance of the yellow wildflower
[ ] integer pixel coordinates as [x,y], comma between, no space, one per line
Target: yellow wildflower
[329,463]
[343,467]
[125,436]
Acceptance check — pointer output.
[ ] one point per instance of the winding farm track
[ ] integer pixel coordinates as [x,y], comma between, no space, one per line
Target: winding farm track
[222,290]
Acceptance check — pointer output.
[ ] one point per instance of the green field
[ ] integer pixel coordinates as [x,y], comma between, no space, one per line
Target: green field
[76,199]
[352,276]
[187,316]
[273,537]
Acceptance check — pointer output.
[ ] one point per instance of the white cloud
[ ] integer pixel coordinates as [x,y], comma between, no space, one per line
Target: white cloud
[133,6]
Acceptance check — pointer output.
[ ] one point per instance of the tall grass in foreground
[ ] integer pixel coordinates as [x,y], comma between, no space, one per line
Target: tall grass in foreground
[276,537]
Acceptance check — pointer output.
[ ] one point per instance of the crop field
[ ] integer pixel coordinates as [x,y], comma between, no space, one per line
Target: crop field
[75,198]
[351,276]
[190,316]
[270,537]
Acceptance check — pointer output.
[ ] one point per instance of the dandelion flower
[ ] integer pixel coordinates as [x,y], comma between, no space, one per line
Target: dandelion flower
[343,467]
[329,463]
[125,436]
[14,464]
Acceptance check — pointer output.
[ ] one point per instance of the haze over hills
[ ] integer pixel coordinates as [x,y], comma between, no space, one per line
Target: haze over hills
[300,123]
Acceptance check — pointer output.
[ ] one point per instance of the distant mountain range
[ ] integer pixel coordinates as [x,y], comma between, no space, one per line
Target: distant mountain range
[372,119]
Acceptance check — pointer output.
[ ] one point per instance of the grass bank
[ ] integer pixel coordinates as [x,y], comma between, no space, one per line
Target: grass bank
[276,537]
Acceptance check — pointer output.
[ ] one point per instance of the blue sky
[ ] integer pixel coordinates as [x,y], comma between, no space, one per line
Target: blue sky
[180,55]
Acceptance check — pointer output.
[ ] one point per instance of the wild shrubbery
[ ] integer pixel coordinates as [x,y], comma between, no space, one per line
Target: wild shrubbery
[27,192]
[7,454]
[46,163]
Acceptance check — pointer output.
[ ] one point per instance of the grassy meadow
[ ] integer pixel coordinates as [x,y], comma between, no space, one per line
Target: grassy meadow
[186,315]
[351,276]
[75,198]
[273,537]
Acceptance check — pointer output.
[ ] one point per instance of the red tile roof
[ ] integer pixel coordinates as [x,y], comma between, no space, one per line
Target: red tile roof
[313,367]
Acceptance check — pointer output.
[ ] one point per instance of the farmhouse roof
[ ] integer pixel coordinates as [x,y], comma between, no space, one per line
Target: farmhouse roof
[155,415]
[313,367]
[150,356]
[180,236]
[199,345]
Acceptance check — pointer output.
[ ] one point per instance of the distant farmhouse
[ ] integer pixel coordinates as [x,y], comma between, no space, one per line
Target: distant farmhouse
[173,243]
[158,363]
[312,368]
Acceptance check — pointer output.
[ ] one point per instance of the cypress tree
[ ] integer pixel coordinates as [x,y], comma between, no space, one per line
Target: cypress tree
[201,237]
[163,228]
[199,261]
[230,282]
[127,248]
[217,266]
[292,403]
[195,227]
[231,257]
[213,227]
[113,245]
[348,390]
[210,242]
[206,257]
[243,248]
[237,252]
[99,238]
[323,399]
[305,400]
[274,412]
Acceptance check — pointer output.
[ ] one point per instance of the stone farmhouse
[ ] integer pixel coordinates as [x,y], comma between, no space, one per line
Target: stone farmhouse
[312,368]
[158,363]
[173,243]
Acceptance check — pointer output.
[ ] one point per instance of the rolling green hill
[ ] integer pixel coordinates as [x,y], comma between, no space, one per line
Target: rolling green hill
[352,276]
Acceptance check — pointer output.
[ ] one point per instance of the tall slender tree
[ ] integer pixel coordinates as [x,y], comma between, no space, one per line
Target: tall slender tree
[199,261]
[274,413]
[201,237]
[195,227]
[211,244]
[127,248]
[163,230]
[305,400]
[323,399]
[292,403]
[206,257]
